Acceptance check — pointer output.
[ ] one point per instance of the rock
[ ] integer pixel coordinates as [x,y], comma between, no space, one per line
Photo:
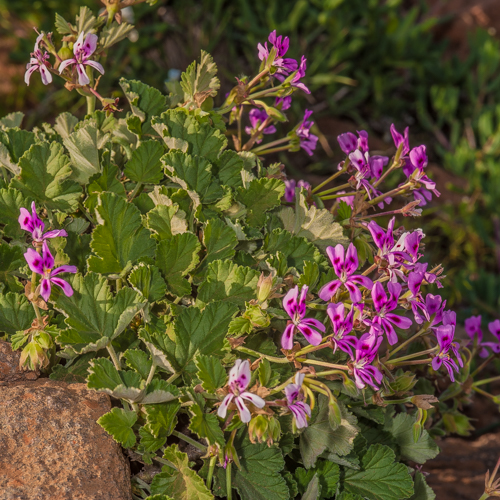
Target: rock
[9,366]
[52,447]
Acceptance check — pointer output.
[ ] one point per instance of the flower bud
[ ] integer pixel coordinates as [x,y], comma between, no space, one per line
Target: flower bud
[33,357]
[65,53]
[44,340]
[264,287]
[350,387]
[257,428]
[257,316]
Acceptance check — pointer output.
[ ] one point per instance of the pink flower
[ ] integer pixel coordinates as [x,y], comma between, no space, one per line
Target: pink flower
[290,185]
[33,224]
[239,378]
[295,306]
[257,118]
[300,410]
[308,140]
[344,267]
[341,328]
[38,62]
[366,351]
[43,264]
[82,51]
[445,334]
[399,139]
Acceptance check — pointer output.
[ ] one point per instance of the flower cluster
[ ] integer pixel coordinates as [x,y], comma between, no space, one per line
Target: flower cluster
[474,331]
[41,261]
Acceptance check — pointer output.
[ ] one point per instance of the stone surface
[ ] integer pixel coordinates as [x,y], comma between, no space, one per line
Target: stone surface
[51,446]
[9,366]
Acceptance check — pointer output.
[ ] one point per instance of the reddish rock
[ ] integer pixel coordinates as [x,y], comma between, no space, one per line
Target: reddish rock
[9,366]
[52,447]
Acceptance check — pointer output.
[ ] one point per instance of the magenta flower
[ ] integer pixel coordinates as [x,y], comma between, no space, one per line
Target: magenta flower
[43,264]
[341,328]
[348,199]
[301,72]
[344,268]
[431,310]
[257,118]
[473,328]
[295,306]
[283,103]
[239,378]
[367,167]
[494,328]
[33,224]
[445,334]
[348,142]
[383,306]
[307,139]
[414,170]
[283,66]
[38,62]
[290,185]
[82,51]
[399,139]
[366,351]
[300,410]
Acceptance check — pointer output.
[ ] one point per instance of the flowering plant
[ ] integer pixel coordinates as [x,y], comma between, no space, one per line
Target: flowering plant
[221,302]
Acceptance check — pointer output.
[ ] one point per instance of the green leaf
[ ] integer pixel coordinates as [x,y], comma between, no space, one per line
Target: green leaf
[310,276]
[62,26]
[12,120]
[149,443]
[182,482]
[313,490]
[157,497]
[82,145]
[239,326]
[401,429]
[11,260]
[16,313]
[315,224]
[76,372]
[201,332]
[229,166]
[85,20]
[106,181]
[145,165]
[193,173]
[11,201]
[166,221]
[184,132]
[380,478]
[45,172]
[227,281]
[147,280]
[258,478]
[262,195]
[176,257]
[120,237]
[319,436]
[210,372]
[145,102]
[290,481]
[65,124]
[139,361]
[220,242]
[118,423]
[14,142]
[206,425]
[161,418]
[344,211]
[114,34]
[199,81]
[327,473]
[104,377]
[159,391]
[297,250]
[422,490]
[93,316]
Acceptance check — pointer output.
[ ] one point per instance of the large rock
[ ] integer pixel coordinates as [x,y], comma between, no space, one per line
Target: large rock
[52,448]
[9,366]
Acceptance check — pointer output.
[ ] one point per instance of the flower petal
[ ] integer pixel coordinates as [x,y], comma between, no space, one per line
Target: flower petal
[90,44]
[254,399]
[64,269]
[290,301]
[351,260]
[34,260]
[287,337]
[329,290]
[29,71]
[244,412]
[45,289]
[65,64]
[354,292]
[310,334]
[243,375]
[66,287]
[362,280]
[336,256]
[400,321]
[47,259]
[314,323]
[336,315]
[55,233]
[25,220]
[45,74]
[222,411]
[291,392]
[83,78]
[98,67]
[78,44]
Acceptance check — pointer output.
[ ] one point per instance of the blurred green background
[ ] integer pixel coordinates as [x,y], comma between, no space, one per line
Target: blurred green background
[370,63]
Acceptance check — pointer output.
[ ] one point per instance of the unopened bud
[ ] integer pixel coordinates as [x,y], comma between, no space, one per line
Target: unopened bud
[350,387]
[410,210]
[65,53]
[264,287]
[257,428]
[424,401]
[43,339]
[257,316]
[33,357]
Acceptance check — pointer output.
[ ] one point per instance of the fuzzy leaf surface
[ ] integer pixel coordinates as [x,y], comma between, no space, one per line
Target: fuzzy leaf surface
[11,201]
[206,425]
[210,372]
[199,81]
[166,220]
[118,423]
[147,280]
[16,313]
[145,165]
[11,259]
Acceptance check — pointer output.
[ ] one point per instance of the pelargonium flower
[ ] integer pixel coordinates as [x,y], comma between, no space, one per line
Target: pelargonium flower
[494,328]
[383,306]
[366,351]
[341,328]
[33,224]
[295,306]
[301,72]
[38,62]
[400,139]
[445,334]
[296,405]
[283,66]
[83,50]
[348,199]
[257,118]
[348,142]
[239,378]
[43,264]
[283,103]
[430,310]
[307,139]
[290,185]
[414,171]
[344,267]
[473,328]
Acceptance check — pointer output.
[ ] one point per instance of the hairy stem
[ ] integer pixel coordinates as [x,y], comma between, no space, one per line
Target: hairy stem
[483,365]
[151,373]
[487,381]
[321,363]
[114,356]
[339,195]
[332,177]
[406,342]
[173,377]
[256,354]
[411,356]
[187,439]
[335,189]
[133,194]
[229,487]
[211,468]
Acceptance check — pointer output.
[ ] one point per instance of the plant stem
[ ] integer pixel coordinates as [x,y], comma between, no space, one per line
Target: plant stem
[165,462]
[135,191]
[151,373]
[229,487]
[332,177]
[270,144]
[415,362]
[410,356]
[482,365]
[406,342]
[211,468]
[312,348]
[484,393]
[255,135]
[264,72]
[369,270]
[173,377]
[335,189]
[256,354]
[113,355]
[487,381]
[119,284]
[90,104]
[35,307]
[183,437]
[392,192]
[86,213]
[339,195]
[321,363]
